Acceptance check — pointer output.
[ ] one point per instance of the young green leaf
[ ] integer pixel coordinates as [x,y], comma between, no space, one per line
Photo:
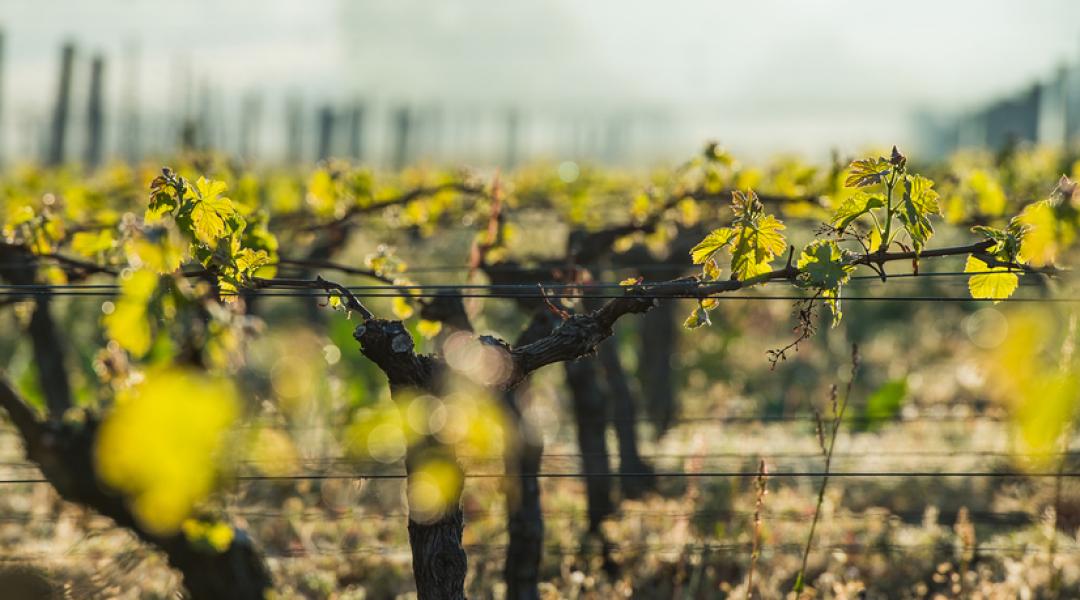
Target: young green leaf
[854,207]
[757,239]
[91,244]
[823,267]
[713,243]
[867,172]
[1043,234]
[429,329]
[212,217]
[753,240]
[1006,241]
[248,261]
[164,198]
[996,283]
[698,318]
[128,323]
[897,159]
[401,307]
[711,270]
[919,202]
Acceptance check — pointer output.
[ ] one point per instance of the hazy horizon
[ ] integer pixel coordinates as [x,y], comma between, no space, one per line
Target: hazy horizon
[766,77]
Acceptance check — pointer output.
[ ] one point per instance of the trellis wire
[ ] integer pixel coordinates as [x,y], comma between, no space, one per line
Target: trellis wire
[611,475]
[607,547]
[540,296]
[591,285]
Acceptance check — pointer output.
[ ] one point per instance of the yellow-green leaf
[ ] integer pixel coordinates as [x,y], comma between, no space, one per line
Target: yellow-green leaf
[995,283]
[712,244]
[402,309]
[209,219]
[216,536]
[91,244]
[866,172]
[918,203]
[854,207]
[429,329]
[711,270]
[698,318]
[1040,243]
[756,245]
[160,445]
[248,260]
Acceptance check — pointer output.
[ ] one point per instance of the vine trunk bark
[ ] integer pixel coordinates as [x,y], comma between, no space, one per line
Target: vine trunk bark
[525,520]
[590,414]
[439,560]
[658,330]
[64,452]
[636,476]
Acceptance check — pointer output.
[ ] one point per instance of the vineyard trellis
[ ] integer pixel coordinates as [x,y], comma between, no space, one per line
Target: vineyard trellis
[230,248]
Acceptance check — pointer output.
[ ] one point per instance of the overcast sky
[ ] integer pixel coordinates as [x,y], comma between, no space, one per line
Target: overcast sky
[762,76]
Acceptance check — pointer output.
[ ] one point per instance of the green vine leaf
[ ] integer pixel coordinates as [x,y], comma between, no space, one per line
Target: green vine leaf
[711,270]
[754,239]
[1044,233]
[698,318]
[757,237]
[997,283]
[1006,241]
[824,268]
[919,202]
[713,243]
[92,244]
[128,322]
[164,199]
[210,216]
[217,235]
[854,207]
[868,171]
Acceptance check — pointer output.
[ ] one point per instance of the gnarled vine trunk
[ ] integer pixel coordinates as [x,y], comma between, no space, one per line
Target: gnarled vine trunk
[389,345]
[439,560]
[64,453]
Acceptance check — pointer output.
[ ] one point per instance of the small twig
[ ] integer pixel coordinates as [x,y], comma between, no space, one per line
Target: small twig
[318,283]
[562,314]
[805,328]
